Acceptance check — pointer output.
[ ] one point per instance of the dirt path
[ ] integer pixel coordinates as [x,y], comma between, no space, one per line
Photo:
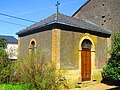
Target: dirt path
[98,86]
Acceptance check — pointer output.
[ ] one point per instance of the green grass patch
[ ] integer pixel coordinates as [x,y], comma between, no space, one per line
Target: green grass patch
[15,87]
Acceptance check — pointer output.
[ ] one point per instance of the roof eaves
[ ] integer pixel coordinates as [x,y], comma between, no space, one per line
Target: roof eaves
[103,29]
[31,29]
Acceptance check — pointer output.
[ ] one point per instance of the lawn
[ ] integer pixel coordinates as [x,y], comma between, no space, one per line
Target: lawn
[14,87]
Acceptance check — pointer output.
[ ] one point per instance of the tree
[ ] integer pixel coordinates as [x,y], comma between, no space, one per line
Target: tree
[111,71]
[4,62]
[3,43]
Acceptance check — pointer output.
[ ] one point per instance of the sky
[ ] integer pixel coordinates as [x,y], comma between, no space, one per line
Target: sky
[34,10]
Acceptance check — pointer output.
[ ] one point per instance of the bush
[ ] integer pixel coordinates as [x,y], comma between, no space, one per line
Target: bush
[111,71]
[5,66]
[38,72]
[3,43]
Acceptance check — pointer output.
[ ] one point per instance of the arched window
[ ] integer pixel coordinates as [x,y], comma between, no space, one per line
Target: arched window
[32,46]
[86,44]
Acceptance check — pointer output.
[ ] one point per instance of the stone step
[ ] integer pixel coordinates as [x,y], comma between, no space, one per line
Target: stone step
[85,84]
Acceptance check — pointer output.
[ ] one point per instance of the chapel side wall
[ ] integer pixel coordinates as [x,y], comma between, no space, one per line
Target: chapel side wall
[101,52]
[43,42]
[104,13]
[69,50]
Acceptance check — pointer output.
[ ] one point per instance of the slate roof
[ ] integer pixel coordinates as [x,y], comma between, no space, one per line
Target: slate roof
[10,39]
[66,20]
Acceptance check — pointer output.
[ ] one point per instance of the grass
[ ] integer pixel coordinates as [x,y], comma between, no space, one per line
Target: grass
[14,87]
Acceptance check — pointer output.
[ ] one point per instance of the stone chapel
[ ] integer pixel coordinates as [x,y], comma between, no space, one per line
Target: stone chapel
[77,43]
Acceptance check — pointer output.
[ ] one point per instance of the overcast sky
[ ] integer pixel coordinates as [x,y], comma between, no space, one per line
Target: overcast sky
[35,10]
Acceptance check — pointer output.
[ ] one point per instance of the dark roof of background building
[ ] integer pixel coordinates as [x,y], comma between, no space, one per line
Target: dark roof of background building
[66,20]
[10,39]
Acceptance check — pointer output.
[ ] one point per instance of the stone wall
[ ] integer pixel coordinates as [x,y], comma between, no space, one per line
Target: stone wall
[101,52]
[43,42]
[69,49]
[104,13]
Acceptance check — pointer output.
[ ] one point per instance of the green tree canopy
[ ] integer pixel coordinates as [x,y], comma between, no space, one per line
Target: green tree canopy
[5,64]
[112,70]
[3,43]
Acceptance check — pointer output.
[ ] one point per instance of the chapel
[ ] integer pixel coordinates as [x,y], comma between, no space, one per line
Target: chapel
[76,43]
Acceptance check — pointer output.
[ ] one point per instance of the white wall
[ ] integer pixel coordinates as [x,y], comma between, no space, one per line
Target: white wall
[12,50]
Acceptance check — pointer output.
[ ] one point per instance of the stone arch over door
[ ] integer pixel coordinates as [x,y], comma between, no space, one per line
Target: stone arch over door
[91,51]
[86,60]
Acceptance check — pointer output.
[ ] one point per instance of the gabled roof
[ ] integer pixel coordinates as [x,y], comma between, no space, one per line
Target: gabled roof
[81,7]
[61,19]
[10,39]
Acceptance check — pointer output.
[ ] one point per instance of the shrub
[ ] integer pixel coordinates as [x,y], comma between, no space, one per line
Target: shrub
[5,66]
[111,71]
[38,72]
[3,43]
[4,62]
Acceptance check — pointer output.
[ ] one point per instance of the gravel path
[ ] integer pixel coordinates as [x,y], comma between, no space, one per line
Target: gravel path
[98,86]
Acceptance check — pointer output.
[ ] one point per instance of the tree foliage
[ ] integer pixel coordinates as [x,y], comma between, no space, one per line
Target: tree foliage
[112,70]
[3,43]
[5,64]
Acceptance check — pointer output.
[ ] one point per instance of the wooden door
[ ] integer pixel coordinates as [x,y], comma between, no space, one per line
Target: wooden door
[86,64]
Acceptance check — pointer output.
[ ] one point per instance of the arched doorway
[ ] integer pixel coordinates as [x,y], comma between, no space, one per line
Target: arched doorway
[86,60]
